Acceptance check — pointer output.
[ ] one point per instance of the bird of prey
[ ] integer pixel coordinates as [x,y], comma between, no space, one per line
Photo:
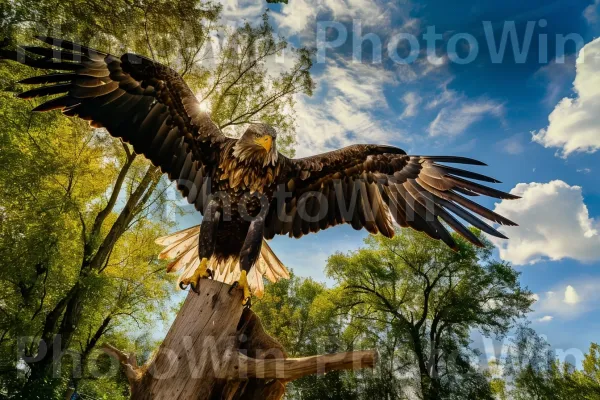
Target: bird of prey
[246,190]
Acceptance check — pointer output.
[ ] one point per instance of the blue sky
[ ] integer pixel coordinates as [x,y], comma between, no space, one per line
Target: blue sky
[535,121]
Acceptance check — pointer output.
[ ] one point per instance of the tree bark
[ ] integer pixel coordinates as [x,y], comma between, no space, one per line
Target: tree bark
[216,349]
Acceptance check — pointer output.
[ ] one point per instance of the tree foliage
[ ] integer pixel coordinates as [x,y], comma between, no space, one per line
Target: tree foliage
[535,373]
[299,313]
[414,300]
[432,297]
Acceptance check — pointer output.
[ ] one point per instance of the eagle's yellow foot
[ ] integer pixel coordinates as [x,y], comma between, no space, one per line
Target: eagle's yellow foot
[242,284]
[202,272]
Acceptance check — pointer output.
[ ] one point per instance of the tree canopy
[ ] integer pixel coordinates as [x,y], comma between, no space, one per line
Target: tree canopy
[533,372]
[413,299]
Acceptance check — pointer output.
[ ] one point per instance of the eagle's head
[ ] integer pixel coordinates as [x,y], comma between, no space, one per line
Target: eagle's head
[257,144]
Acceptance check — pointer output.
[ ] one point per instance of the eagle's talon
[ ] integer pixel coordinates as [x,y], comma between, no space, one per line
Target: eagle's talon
[247,303]
[202,272]
[233,286]
[242,284]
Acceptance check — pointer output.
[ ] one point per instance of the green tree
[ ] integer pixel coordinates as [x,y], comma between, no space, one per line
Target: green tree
[299,313]
[413,300]
[54,181]
[431,298]
[534,372]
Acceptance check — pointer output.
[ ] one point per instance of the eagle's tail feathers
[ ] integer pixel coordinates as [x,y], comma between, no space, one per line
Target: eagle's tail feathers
[274,266]
[178,236]
[188,270]
[186,258]
[181,249]
[256,283]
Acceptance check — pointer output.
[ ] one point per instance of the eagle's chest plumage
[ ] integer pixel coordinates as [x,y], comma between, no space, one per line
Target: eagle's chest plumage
[243,187]
[247,175]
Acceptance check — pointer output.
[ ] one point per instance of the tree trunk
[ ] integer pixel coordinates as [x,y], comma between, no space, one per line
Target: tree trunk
[216,349]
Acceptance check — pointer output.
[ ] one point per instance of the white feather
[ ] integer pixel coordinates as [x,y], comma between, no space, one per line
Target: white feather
[181,248]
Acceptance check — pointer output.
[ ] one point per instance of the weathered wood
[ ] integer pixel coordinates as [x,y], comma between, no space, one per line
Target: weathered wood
[295,368]
[216,349]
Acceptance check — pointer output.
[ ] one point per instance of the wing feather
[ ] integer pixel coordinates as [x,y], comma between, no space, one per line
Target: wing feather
[146,104]
[368,186]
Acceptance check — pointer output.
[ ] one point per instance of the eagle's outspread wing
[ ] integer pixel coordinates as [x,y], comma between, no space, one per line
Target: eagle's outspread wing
[368,186]
[136,99]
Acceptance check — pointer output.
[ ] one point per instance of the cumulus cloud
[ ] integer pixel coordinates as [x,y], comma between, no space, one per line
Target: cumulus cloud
[569,300]
[546,318]
[457,118]
[554,224]
[571,296]
[574,124]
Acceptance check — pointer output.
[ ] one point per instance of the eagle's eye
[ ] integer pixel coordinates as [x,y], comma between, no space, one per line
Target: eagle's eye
[257,135]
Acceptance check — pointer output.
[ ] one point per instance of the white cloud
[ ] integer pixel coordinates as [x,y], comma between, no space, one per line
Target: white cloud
[546,318]
[512,145]
[298,15]
[584,170]
[361,84]
[421,68]
[555,77]
[554,224]
[342,123]
[412,101]
[591,12]
[237,10]
[369,11]
[458,112]
[446,96]
[569,300]
[574,124]
[455,119]
[343,111]
[571,296]
[535,297]
[281,63]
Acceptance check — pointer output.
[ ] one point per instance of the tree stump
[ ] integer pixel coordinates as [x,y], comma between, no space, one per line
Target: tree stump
[217,349]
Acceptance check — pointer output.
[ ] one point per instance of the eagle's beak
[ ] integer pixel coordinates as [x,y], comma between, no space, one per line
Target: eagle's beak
[265,141]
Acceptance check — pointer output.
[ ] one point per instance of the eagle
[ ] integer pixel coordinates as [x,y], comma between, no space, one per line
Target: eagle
[245,189]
